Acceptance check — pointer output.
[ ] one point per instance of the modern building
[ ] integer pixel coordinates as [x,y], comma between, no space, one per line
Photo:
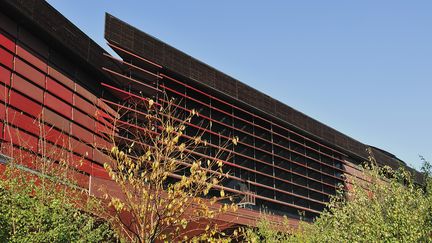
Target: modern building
[285,161]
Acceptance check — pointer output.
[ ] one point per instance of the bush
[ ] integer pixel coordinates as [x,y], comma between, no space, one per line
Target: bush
[392,208]
[34,208]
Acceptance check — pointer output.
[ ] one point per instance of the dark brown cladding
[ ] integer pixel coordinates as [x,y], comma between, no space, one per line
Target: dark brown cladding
[67,40]
[117,31]
[85,55]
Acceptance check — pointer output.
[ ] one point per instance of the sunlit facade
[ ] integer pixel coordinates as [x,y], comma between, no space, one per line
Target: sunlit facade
[284,161]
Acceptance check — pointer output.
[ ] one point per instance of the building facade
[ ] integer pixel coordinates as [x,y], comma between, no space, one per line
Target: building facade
[284,161]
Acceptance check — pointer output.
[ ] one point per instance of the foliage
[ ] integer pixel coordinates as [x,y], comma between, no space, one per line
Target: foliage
[167,188]
[36,208]
[391,208]
[267,231]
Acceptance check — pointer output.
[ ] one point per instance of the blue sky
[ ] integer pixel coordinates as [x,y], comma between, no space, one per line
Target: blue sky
[361,67]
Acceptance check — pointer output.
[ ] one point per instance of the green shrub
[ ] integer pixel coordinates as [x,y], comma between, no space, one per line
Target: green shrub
[34,208]
[389,209]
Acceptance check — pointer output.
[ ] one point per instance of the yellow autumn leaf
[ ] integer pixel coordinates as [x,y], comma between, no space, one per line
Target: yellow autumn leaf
[220,163]
[182,147]
[151,102]
[114,150]
[169,129]
[235,140]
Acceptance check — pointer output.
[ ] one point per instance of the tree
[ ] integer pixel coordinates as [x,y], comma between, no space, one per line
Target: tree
[168,186]
[37,207]
[390,208]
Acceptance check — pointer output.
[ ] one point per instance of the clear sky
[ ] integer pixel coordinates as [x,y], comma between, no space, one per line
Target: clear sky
[361,67]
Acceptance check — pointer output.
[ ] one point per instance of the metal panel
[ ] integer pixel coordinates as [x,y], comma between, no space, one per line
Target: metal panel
[2,116]
[59,90]
[80,163]
[106,108]
[181,64]
[59,106]
[27,88]
[226,84]
[20,138]
[30,73]
[98,171]
[82,149]
[3,94]
[32,59]
[1,137]
[7,43]
[61,78]
[100,157]
[101,143]
[82,134]
[23,121]
[56,137]
[25,104]
[56,120]
[84,105]
[85,93]
[6,58]
[83,119]
[5,76]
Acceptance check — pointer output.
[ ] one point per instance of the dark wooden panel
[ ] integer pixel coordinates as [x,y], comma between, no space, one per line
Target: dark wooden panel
[30,40]
[8,25]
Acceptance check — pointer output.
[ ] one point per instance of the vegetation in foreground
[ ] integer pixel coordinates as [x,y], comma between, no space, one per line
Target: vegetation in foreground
[392,208]
[35,208]
[168,191]
[47,207]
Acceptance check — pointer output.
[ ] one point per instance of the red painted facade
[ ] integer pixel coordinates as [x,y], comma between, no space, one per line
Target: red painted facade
[57,83]
[37,99]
